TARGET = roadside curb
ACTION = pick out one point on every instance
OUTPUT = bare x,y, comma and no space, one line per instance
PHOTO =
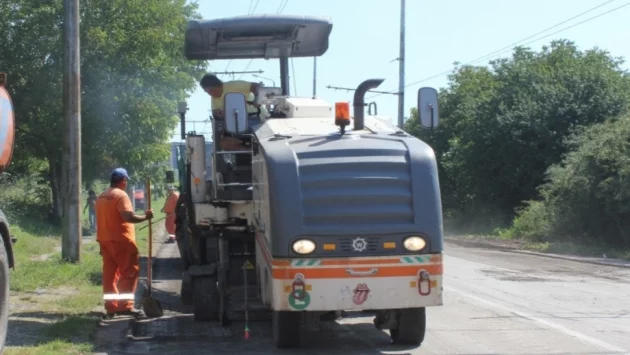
488,245
613,262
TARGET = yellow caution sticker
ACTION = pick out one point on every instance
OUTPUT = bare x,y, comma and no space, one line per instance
248,265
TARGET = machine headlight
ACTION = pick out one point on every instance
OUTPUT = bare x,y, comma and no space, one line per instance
303,246
414,243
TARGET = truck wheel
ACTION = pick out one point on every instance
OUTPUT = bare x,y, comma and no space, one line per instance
286,329
412,324
4,294
205,298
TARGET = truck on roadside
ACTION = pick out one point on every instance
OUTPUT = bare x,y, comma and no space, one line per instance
7,138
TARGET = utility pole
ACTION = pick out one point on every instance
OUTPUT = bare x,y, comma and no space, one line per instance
401,70
314,77
71,237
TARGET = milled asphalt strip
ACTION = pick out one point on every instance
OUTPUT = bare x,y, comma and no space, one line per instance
572,333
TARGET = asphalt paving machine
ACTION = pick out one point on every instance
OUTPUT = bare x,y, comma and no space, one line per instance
319,212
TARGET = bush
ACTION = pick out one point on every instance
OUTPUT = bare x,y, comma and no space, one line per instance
587,195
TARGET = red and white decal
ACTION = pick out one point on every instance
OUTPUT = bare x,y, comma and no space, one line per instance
361,293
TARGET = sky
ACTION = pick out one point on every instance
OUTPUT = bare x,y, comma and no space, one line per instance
364,42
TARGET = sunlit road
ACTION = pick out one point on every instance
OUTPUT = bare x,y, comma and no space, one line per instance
495,303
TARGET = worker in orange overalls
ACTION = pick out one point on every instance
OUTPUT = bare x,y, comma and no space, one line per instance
169,209
115,219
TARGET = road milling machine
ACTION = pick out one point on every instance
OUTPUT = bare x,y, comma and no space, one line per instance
319,211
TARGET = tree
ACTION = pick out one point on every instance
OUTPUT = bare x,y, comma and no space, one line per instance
133,73
503,126
587,195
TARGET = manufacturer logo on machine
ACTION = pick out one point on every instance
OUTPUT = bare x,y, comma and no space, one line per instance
299,298
361,293
359,244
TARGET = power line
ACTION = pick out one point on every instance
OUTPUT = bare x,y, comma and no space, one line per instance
250,11
351,89
283,4
510,47
237,72
543,31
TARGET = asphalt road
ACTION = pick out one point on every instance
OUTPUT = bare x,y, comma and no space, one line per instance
495,302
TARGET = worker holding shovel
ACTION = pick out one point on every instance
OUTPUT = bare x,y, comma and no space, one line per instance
116,235
169,210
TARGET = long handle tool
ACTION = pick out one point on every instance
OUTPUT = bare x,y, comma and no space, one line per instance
152,307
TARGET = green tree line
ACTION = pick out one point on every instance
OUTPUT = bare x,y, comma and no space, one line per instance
133,73
538,142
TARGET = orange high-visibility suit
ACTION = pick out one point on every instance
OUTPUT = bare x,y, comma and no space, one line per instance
169,209
117,238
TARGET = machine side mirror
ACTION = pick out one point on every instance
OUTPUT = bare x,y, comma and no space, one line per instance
235,111
170,176
428,110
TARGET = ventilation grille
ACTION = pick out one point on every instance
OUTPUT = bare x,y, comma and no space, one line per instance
360,186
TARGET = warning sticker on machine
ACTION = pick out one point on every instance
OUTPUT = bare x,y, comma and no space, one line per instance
248,265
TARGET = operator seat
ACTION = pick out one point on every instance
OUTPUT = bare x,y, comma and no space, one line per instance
234,133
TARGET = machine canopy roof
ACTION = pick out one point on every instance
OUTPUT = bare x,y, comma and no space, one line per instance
257,36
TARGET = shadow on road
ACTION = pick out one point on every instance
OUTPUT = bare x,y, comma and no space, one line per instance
28,328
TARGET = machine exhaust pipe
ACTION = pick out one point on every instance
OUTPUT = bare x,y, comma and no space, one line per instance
359,101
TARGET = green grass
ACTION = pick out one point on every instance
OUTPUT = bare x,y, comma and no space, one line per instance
54,300
53,347
62,295
65,294
142,236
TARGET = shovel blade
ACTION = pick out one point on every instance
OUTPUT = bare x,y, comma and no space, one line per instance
152,307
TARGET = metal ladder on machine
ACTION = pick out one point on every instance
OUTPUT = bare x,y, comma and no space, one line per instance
250,301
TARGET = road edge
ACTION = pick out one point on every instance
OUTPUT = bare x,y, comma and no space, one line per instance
467,243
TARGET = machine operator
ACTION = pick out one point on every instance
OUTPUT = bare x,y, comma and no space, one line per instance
217,90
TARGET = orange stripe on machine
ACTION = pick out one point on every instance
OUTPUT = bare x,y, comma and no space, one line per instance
351,272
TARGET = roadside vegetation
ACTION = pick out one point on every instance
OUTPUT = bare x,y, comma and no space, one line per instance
536,147
55,305
133,74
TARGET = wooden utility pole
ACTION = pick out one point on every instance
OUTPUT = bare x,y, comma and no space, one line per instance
71,237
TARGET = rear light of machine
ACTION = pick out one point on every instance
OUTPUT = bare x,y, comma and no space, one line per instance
342,113
424,283
389,245
303,246
414,243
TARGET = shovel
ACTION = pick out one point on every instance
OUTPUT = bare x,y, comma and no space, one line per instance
152,307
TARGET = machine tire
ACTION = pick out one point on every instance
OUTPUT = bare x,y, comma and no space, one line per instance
412,325
4,294
286,329
186,293
205,298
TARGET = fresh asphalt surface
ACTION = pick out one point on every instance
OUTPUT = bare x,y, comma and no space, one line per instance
495,302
